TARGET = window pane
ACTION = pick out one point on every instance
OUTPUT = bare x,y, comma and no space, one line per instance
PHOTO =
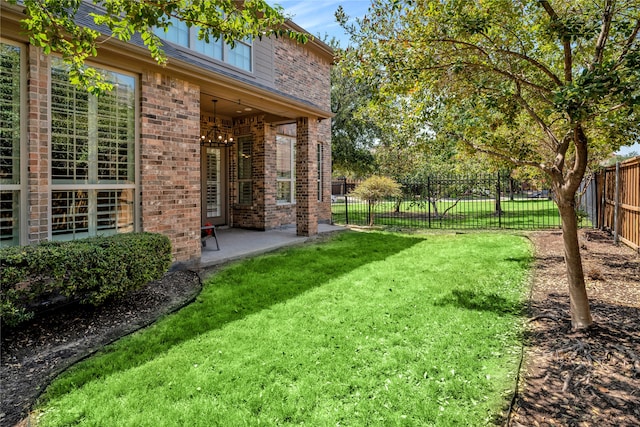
319,172
9,114
69,128
213,48
285,163
115,133
284,147
214,206
177,33
9,218
244,193
69,214
245,186
92,142
244,157
239,56
283,194
114,211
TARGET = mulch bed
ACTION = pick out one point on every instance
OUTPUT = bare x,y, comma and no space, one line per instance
589,378
568,378
33,354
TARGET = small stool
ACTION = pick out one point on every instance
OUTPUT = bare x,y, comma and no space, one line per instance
205,234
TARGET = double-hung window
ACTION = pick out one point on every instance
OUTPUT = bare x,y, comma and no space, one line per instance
92,157
11,124
245,174
320,164
239,55
286,164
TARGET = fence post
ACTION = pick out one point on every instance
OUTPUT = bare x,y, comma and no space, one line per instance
429,199
603,199
346,201
498,205
616,212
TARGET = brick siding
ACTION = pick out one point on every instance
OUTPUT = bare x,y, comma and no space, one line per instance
170,162
38,144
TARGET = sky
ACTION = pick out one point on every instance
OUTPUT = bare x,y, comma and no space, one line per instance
317,17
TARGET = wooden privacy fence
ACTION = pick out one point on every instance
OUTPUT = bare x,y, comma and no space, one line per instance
618,201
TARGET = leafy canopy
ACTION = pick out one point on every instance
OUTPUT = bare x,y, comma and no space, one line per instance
52,25
518,79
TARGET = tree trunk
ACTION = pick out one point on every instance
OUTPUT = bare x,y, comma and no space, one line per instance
580,311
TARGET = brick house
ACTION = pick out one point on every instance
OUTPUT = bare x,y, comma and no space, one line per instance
231,137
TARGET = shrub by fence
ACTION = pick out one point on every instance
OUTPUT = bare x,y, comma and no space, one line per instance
87,270
455,202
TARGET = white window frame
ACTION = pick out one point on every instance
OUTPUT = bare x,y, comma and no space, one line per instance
20,188
290,141
245,164
93,186
320,154
227,52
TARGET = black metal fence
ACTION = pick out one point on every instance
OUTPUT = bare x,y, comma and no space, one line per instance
457,202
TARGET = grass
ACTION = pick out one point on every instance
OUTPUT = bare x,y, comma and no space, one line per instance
519,214
365,329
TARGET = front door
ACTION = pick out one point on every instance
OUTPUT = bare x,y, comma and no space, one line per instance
214,185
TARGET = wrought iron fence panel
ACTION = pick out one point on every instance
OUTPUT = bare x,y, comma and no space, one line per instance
491,201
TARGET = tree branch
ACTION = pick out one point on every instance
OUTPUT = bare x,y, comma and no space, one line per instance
566,42
522,56
604,33
545,128
505,156
630,41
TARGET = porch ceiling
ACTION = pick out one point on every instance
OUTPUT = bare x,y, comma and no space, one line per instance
233,108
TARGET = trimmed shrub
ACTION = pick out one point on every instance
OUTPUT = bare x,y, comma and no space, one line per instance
374,190
88,270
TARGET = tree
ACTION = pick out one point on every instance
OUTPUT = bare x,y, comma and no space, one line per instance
374,190
546,84
51,25
353,132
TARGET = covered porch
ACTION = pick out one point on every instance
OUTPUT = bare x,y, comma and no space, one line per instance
237,243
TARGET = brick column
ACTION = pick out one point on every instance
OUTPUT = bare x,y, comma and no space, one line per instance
38,145
306,176
170,162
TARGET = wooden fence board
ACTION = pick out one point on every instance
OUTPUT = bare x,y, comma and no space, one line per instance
628,203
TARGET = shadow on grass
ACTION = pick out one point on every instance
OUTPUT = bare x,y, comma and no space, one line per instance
235,292
480,301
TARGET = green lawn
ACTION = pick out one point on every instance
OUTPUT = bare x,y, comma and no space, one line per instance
365,329
520,214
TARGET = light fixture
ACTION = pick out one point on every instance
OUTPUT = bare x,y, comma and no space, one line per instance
214,136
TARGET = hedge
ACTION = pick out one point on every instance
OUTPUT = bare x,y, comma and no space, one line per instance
88,270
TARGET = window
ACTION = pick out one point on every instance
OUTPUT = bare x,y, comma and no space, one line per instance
92,157
286,164
245,188
10,129
319,172
179,33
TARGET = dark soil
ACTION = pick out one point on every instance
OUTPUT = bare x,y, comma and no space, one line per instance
568,378
589,378
34,353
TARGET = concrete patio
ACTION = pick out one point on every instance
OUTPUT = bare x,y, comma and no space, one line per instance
237,243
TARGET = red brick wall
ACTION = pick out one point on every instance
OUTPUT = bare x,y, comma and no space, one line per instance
170,162
305,75
301,73
38,144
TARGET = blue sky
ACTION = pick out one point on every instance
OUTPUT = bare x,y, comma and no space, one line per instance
317,16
